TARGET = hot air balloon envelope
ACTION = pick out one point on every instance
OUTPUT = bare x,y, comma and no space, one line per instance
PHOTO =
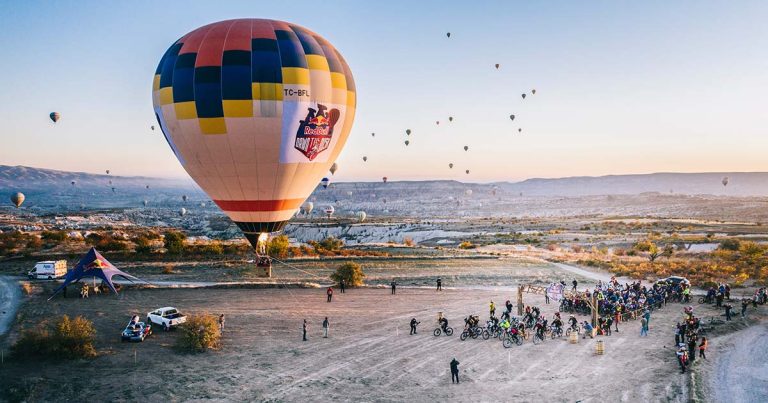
256,111
17,199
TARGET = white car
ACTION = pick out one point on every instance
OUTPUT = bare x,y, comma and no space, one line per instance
167,318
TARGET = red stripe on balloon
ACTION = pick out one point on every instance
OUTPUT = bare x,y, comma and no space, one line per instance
259,205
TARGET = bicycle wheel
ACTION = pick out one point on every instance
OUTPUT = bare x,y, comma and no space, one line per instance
486,335
449,331
518,341
437,332
507,342
464,335
537,339
475,334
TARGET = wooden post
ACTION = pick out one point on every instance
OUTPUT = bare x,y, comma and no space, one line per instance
520,300
594,309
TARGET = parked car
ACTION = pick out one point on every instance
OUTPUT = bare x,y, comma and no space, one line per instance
48,270
674,280
136,331
167,318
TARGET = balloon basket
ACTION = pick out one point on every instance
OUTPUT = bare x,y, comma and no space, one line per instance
600,347
573,338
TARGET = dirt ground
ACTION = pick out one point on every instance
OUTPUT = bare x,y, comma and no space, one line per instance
369,355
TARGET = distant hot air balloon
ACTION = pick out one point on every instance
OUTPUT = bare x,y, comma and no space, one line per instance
145,202
329,210
450,165
450,118
152,127
437,122
73,183
466,148
361,216
349,193
325,183
468,192
725,181
533,91
373,134
448,34
147,186
278,96
182,212
334,168
384,179
114,190
523,95
407,132
519,130
407,142
202,204
107,171
184,198
497,66
467,171
365,159
55,116
18,199
307,207
511,117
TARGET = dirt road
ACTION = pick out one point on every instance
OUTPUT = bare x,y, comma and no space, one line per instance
10,297
369,356
741,372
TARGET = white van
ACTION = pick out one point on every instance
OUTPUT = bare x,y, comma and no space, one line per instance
49,270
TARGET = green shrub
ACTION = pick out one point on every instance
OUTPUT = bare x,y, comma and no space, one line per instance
55,237
174,242
200,333
66,339
351,273
278,247
730,244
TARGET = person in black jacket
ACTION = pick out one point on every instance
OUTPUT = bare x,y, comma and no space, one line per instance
454,371
414,323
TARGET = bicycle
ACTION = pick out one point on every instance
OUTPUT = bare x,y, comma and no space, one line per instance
572,329
448,331
538,338
556,332
512,339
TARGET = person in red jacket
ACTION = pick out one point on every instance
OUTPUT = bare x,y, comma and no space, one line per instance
330,293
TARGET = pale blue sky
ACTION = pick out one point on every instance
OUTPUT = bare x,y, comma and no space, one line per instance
623,87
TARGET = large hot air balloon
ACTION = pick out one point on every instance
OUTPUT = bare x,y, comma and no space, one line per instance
256,111
334,168
466,148
361,216
329,210
384,179
18,199
307,208
55,116
725,181
325,183
182,212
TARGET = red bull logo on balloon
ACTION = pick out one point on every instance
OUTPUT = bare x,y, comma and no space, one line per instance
316,130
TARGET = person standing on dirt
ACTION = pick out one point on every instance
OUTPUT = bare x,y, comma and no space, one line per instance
643,327
744,305
692,348
326,326
728,308
439,284
492,308
719,299
329,292
703,348
454,371
414,323
681,357
575,283
394,286
221,322
304,329
341,286
647,316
